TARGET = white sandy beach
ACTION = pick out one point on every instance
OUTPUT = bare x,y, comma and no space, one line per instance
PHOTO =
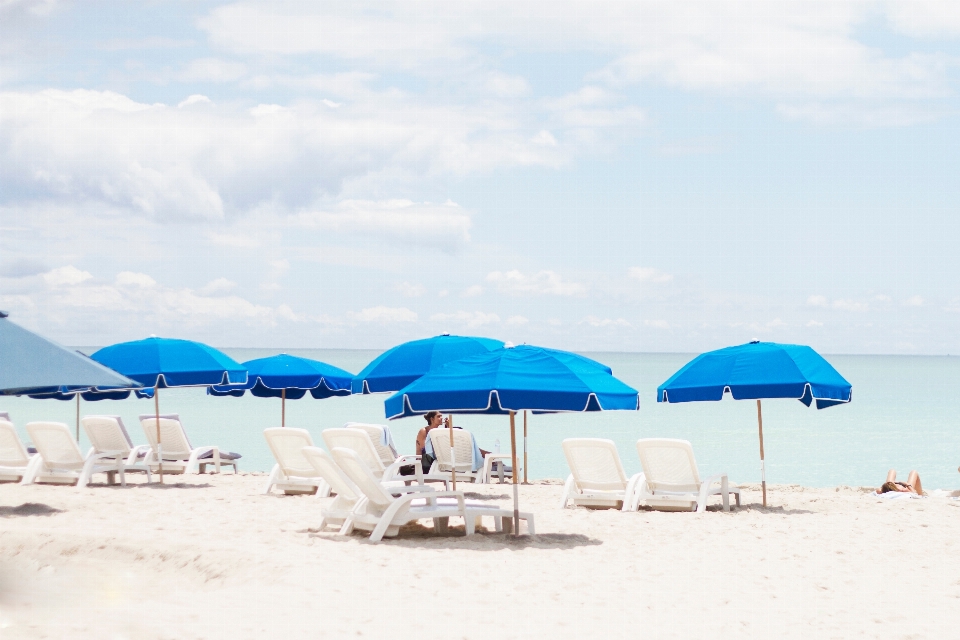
211,557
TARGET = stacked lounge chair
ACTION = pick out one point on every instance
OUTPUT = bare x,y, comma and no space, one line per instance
293,473
61,460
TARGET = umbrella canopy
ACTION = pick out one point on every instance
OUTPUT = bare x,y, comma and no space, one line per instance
32,364
513,379
290,377
396,368
165,362
758,370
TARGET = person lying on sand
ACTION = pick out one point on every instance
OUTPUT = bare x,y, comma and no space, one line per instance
912,485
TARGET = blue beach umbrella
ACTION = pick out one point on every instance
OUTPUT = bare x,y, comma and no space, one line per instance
164,362
756,371
397,367
284,376
34,366
514,379
31,364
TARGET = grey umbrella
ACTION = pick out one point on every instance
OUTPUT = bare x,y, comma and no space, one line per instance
32,364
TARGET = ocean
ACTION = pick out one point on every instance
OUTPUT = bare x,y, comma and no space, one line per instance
905,415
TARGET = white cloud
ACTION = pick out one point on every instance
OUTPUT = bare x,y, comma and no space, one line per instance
211,70
131,278
913,301
437,224
540,283
882,298
776,323
218,286
66,276
408,290
517,321
812,51
649,274
385,315
924,18
818,301
136,297
470,319
814,323
506,86
194,99
594,321
172,163
472,292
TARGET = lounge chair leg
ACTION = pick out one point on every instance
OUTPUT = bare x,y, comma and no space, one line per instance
725,493
111,477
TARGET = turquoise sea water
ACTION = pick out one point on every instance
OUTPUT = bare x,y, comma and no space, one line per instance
905,414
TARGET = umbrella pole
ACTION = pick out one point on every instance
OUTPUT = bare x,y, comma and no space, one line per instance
513,452
524,447
283,407
78,417
453,455
763,472
156,409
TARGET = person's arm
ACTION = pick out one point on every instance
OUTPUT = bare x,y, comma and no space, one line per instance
421,441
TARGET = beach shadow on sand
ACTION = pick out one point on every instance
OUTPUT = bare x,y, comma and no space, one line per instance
175,485
416,536
28,509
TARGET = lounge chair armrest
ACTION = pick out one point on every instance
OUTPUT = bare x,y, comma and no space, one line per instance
413,488
393,471
432,497
715,479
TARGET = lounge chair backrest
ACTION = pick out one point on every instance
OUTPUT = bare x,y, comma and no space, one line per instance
56,445
357,441
375,431
172,437
287,446
106,433
595,464
326,467
462,447
360,474
12,451
668,464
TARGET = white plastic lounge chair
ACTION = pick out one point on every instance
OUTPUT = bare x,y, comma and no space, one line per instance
293,473
671,480
463,444
383,514
496,466
361,443
378,433
15,462
596,476
108,435
179,456
61,460
337,512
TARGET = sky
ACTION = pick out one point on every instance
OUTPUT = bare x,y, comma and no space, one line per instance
599,176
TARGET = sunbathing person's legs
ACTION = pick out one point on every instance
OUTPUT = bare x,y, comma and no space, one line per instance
892,475
914,481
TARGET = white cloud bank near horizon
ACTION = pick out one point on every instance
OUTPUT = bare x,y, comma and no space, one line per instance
659,175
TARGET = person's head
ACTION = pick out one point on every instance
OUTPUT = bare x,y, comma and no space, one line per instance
888,486
433,418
